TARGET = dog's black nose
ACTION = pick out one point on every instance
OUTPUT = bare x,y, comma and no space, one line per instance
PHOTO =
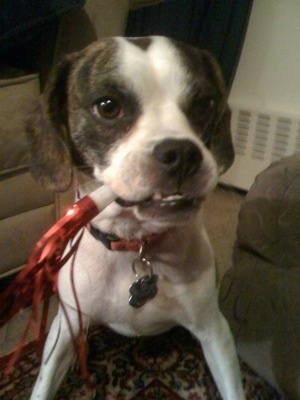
180,158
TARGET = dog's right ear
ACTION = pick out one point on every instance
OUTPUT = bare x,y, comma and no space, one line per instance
48,133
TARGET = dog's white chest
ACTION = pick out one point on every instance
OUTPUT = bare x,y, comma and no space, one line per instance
151,319
157,315
103,281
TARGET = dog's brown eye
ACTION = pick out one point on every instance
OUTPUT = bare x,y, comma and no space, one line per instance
207,104
107,108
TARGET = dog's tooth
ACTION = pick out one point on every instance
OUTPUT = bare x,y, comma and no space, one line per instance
157,196
173,197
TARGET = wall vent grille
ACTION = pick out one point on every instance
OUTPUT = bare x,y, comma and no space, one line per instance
259,139
297,142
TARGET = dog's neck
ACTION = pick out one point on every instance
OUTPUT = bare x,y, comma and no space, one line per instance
115,243
119,229
116,227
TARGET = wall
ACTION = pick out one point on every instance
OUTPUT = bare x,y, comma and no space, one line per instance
268,74
265,96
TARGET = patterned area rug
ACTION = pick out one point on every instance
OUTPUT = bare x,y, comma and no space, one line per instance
166,367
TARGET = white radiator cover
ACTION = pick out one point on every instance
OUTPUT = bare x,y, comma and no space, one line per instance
260,137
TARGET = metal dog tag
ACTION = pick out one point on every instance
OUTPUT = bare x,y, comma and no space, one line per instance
145,287
143,290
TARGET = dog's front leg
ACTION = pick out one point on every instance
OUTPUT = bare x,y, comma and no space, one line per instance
58,355
220,354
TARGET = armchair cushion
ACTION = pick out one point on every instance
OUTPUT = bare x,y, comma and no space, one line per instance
26,209
260,294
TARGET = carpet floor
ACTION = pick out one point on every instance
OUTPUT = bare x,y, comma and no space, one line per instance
170,366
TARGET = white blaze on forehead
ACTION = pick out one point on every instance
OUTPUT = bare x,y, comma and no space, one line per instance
156,73
159,79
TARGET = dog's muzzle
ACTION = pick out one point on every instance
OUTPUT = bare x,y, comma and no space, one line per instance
178,160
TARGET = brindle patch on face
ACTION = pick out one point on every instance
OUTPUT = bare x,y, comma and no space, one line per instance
142,42
97,77
206,97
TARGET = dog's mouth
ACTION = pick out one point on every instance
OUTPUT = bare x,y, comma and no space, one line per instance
161,204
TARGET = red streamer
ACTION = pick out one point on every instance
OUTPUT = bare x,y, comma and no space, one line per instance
38,279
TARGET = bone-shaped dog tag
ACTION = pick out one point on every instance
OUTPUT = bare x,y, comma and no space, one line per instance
145,287
143,290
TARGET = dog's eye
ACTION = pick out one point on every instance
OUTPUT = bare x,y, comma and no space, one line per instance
201,109
207,104
107,108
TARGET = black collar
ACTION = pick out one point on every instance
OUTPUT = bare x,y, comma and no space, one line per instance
113,242
103,237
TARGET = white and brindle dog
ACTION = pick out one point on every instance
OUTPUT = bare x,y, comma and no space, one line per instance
148,118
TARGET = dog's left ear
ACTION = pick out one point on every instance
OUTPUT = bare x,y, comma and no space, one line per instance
48,134
221,143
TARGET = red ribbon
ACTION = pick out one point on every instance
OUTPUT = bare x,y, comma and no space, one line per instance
38,279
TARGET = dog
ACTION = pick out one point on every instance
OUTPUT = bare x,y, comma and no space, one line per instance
147,117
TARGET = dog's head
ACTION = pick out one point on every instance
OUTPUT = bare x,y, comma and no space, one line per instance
148,117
